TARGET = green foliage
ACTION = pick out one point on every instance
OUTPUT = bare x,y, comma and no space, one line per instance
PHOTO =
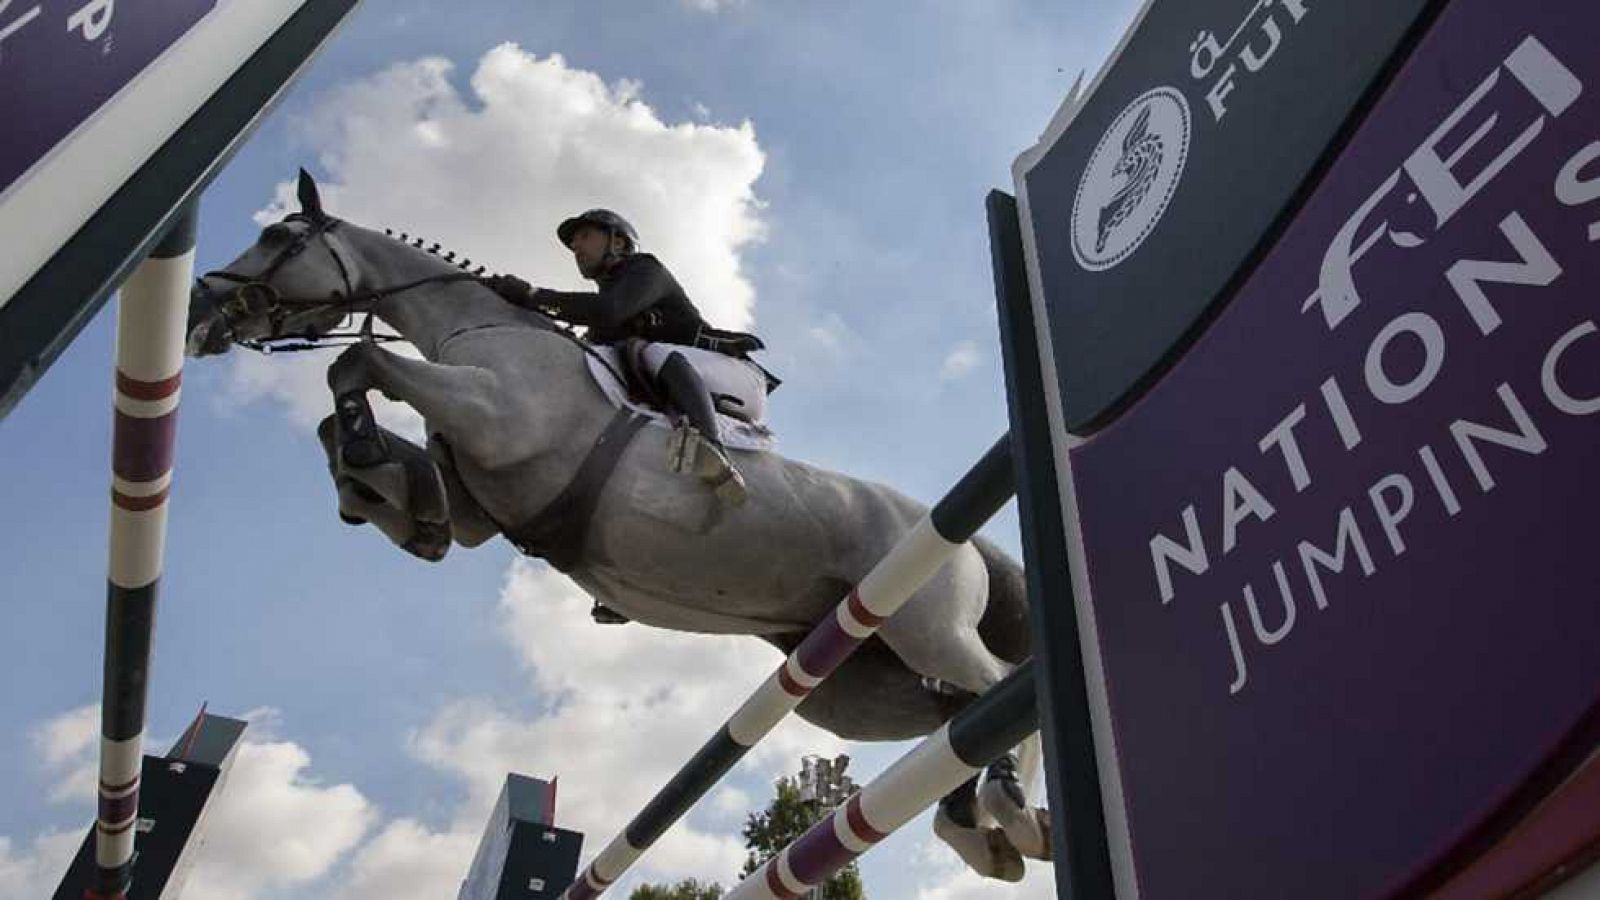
687,889
784,821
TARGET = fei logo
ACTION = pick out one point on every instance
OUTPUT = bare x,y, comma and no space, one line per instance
1130,179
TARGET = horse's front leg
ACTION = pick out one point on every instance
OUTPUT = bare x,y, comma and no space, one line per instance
464,403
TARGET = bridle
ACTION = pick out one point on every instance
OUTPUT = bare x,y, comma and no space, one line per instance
255,295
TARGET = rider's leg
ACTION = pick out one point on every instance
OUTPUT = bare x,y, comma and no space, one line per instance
687,393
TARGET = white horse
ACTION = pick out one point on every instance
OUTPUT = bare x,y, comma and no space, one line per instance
514,413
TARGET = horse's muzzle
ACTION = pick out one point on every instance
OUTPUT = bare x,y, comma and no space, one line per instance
209,336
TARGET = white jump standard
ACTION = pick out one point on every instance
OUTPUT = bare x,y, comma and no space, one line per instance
150,339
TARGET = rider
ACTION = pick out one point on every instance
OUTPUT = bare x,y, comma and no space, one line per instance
639,301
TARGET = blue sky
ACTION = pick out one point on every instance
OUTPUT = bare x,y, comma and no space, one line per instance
846,149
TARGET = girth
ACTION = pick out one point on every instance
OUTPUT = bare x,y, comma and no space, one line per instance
556,533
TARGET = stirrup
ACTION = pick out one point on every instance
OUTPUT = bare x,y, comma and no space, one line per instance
682,448
714,468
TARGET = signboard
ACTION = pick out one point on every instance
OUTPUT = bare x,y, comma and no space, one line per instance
116,115
85,53
1334,570
1147,198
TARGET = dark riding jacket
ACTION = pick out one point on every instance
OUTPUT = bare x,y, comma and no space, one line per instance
638,298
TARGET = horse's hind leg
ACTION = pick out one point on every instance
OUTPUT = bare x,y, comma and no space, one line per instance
1004,796
984,849
936,632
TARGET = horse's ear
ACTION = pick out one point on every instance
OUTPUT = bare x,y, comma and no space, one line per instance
310,201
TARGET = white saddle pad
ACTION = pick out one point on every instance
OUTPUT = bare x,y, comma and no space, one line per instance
737,434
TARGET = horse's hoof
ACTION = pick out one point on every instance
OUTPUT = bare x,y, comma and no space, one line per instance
1026,828
985,850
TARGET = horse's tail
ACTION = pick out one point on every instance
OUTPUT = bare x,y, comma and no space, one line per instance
1004,626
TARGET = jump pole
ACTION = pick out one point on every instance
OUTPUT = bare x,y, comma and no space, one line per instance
962,747
151,315
979,494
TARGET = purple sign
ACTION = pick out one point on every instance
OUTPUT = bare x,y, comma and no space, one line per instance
61,60
1342,560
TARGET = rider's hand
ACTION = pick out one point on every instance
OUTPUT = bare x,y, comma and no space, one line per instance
510,287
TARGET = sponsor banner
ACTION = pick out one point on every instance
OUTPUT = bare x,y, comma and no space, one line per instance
1340,560
60,60
1196,137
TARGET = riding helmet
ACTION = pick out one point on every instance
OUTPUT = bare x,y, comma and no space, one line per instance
604,219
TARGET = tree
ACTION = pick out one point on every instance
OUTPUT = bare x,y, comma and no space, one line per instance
687,889
784,821
766,833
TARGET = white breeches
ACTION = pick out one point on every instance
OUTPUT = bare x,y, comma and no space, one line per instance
725,376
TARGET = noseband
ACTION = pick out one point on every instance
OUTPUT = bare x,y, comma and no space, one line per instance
256,296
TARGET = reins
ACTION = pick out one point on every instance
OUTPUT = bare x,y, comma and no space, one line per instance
255,295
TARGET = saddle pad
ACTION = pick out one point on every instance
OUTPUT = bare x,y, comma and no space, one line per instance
737,434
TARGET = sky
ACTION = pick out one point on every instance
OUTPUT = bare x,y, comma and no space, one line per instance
814,172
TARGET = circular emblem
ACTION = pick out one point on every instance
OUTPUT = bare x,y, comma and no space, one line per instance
1130,179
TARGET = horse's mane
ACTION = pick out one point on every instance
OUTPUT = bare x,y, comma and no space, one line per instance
434,249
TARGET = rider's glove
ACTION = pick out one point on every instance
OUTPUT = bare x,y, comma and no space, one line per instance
511,288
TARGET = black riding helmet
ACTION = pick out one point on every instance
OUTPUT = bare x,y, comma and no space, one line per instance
603,219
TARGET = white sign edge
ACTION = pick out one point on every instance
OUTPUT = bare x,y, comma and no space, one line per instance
42,210
1119,839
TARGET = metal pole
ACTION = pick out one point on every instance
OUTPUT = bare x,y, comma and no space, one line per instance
151,316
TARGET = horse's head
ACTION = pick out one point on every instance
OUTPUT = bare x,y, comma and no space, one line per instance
294,281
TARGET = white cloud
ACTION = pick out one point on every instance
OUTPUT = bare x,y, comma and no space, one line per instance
830,338
272,826
712,6
491,175
69,735
945,877
732,801
275,825
407,860
629,705
68,745
37,870
960,361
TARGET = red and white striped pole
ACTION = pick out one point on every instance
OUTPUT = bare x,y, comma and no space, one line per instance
976,737
152,312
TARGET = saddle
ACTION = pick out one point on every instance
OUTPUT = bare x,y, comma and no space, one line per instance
619,371
642,388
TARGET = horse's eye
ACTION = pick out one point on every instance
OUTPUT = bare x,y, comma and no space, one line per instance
277,234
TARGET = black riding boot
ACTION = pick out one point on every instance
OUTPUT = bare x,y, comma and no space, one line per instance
687,393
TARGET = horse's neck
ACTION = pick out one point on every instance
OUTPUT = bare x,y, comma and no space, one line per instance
561,411
428,315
